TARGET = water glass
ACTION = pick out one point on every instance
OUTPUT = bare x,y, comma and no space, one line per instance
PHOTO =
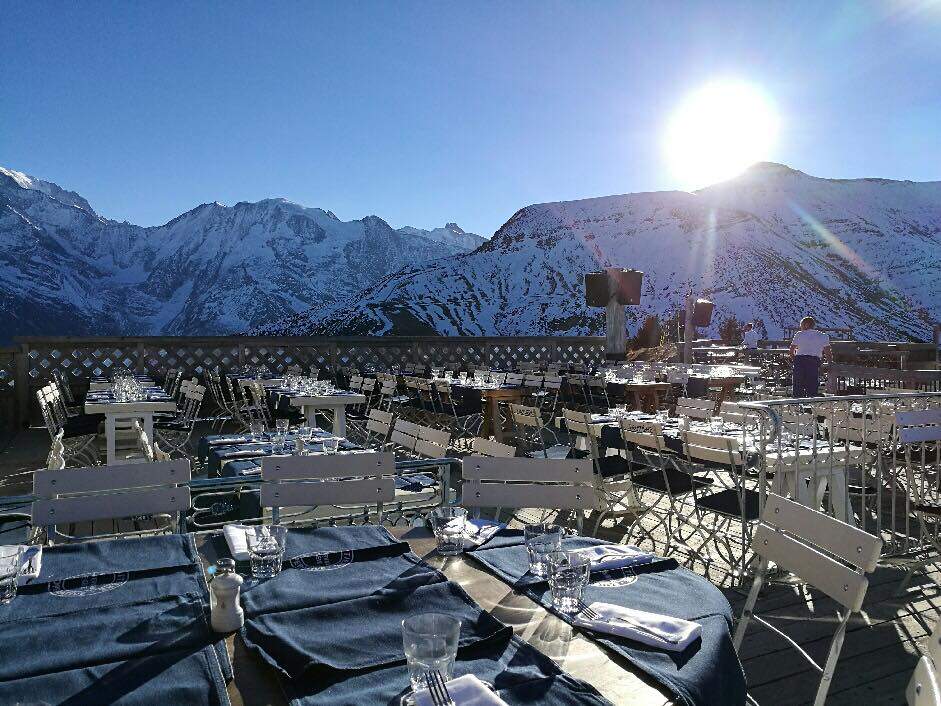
257,430
449,525
541,540
331,445
430,642
266,549
10,559
620,410
568,576
716,425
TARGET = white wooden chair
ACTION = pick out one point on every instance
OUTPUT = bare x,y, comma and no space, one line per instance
832,556
530,428
695,408
494,449
518,483
364,480
138,492
924,688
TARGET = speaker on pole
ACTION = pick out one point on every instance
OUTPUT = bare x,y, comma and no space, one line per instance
596,289
628,284
702,313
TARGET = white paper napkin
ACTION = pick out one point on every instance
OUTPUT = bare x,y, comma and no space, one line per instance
479,531
660,631
465,691
614,556
237,540
30,563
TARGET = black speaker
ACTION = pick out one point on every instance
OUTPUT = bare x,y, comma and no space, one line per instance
702,314
628,286
596,289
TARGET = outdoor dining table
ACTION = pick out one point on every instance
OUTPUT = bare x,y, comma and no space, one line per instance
336,402
492,397
610,668
114,411
100,383
646,395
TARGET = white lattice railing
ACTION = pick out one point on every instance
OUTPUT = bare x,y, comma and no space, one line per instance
33,361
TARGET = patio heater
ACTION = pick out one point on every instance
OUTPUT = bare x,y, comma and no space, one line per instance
614,289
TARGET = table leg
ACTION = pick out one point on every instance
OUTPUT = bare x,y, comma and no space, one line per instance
339,421
638,401
496,419
149,425
654,402
109,439
311,415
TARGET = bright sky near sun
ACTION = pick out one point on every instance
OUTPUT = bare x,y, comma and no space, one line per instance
427,112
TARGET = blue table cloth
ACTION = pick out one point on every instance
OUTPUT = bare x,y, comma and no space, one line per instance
330,625
707,672
122,621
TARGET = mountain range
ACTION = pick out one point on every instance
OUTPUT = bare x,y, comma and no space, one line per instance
66,270
773,244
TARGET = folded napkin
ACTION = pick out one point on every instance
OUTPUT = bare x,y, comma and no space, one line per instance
464,691
651,629
237,540
479,531
604,557
30,563
227,440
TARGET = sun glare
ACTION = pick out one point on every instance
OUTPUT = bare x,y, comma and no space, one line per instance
718,131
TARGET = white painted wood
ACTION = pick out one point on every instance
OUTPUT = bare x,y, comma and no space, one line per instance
561,497
404,440
923,688
435,436
918,435
127,503
525,416
326,466
528,469
406,427
47,484
923,417
429,449
837,580
494,449
853,545
367,491
648,435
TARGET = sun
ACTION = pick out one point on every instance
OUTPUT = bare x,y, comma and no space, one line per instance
719,131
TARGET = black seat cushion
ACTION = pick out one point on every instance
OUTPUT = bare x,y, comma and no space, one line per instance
82,425
611,466
680,483
726,502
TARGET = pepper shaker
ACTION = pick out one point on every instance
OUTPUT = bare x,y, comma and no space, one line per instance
227,614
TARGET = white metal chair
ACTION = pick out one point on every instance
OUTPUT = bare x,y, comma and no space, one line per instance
695,408
327,480
518,483
494,449
831,555
924,688
69,496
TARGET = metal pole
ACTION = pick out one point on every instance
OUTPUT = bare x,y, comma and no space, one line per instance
689,331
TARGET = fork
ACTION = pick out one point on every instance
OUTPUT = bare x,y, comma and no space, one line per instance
591,614
438,689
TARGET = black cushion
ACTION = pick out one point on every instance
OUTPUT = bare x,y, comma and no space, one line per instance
610,466
727,502
680,483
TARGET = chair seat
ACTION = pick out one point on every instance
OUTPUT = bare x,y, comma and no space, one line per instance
679,483
726,502
81,426
610,466
174,425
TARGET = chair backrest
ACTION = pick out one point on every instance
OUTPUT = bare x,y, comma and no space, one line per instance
695,408
379,422
525,416
493,449
648,435
923,688
55,460
299,481
732,412
98,493
528,482
514,379
432,443
831,555
917,427
843,426
715,449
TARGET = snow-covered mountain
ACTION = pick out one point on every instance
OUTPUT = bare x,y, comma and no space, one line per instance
212,270
774,244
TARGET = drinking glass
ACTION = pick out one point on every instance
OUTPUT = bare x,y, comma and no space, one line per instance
430,642
541,540
10,558
331,445
568,576
620,410
266,549
716,425
449,524
257,430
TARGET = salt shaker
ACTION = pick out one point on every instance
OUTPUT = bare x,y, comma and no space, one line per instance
227,615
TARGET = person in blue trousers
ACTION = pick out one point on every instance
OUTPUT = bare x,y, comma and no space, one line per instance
809,348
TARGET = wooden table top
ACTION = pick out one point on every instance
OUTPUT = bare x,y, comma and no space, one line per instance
255,684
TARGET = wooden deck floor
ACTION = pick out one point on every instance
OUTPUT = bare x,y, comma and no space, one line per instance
879,654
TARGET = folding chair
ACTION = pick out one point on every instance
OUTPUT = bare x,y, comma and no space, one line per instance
832,556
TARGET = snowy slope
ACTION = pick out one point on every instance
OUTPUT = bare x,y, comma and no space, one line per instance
774,243
213,270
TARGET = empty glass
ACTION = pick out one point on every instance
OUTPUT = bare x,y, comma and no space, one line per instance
266,549
716,425
568,576
541,540
449,525
257,430
430,642
10,559
331,445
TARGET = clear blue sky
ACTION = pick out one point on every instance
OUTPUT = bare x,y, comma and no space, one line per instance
427,112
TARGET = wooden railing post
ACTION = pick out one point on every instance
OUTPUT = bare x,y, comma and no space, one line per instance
22,386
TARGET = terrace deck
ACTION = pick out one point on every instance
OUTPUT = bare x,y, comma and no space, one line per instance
879,654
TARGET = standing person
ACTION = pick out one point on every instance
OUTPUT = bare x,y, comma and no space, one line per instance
808,349
750,336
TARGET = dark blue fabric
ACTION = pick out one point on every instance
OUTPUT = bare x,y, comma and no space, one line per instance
806,376
705,673
334,633
214,453
123,621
